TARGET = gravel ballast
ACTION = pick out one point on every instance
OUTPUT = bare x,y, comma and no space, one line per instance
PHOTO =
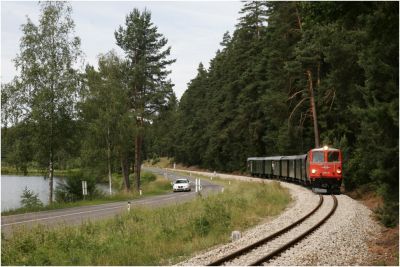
342,240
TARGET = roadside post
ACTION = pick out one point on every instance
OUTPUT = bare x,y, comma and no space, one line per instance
84,189
129,206
198,185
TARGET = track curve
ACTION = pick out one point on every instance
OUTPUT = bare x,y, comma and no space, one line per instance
227,259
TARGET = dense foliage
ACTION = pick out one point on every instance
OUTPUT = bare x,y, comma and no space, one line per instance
254,100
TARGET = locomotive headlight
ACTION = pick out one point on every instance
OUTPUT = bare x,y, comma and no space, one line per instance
313,171
326,147
339,171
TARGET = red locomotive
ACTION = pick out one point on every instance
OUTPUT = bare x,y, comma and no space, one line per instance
320,168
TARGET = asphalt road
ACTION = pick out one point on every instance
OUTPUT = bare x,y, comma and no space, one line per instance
78,215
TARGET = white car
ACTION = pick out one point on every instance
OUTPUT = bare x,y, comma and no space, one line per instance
181,185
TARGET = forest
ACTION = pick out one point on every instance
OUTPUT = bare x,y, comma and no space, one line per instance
292,76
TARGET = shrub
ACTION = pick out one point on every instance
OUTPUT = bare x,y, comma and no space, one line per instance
202,226
71,190
148,177
30,200
388,214
154,161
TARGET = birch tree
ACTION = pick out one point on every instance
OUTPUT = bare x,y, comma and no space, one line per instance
48,53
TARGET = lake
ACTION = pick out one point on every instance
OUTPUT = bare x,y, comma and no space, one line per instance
12,187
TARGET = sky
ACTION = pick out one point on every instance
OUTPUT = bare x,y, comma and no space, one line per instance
194,30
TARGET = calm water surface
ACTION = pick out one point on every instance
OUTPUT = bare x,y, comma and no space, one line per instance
12,187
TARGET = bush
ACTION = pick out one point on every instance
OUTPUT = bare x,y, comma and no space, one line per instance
148,177
388,214
71,190
154,161
30,200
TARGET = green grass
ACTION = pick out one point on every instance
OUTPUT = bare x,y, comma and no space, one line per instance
159,162
157,187
162,236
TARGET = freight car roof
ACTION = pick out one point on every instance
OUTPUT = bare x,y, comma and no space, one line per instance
295,157
265,158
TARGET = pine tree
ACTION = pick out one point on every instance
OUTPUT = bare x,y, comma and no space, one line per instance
147,72
254,15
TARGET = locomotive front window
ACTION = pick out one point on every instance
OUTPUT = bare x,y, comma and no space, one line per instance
318,156
333,156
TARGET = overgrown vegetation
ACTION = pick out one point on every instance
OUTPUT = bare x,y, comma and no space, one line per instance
163,236
71,189
160,162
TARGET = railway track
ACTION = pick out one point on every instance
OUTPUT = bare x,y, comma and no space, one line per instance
263,252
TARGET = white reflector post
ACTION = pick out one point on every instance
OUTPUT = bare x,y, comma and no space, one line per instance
84,188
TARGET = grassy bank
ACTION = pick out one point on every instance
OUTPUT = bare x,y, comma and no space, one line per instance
163,236
157,187
159,162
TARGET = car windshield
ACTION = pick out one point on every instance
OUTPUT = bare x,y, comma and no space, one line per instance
181,181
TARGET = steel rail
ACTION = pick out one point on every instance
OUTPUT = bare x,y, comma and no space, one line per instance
297,239
260,242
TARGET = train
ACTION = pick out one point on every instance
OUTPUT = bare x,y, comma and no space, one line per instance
320,169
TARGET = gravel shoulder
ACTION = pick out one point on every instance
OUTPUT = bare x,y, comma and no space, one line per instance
343,240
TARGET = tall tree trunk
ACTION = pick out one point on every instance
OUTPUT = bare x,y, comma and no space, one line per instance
51,163
109,158
310,87
125,166
51,174
313,109
298,18
138,159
